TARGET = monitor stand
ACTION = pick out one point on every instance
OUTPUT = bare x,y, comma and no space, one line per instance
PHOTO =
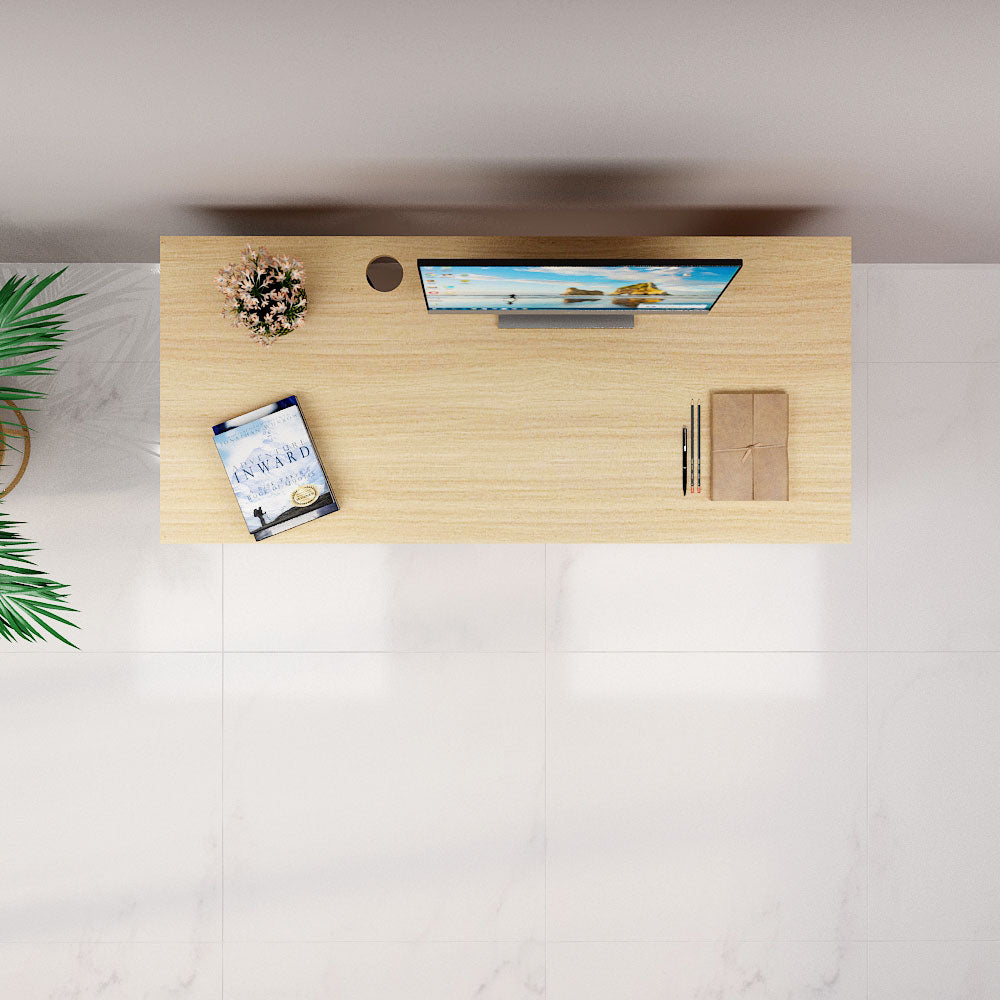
565,321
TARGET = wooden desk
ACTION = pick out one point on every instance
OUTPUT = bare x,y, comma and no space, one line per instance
443,428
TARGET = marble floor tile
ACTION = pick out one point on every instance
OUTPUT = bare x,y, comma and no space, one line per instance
732,970
385,597
110,971
118,318
110,772
378,820
934,312
706,797
934,970
935,803
720,597
859,312
376,971
934,550
380,797
90,500
693,597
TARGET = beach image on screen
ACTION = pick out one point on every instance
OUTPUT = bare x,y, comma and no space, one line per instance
681,288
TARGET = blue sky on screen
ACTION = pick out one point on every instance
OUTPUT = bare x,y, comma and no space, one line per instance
555,279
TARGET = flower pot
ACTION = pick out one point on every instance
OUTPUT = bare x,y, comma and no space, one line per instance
13,443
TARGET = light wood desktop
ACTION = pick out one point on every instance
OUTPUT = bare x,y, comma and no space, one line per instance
444,428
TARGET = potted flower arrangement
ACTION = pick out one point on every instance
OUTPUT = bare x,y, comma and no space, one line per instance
264,294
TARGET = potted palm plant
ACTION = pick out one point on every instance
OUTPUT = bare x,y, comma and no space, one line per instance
31,605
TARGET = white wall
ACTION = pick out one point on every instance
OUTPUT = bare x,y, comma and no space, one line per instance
123,121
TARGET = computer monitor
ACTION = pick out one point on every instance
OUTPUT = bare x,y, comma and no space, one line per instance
574,293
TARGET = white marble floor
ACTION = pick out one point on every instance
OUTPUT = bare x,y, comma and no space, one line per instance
503,772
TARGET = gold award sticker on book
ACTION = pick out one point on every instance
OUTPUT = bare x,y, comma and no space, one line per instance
304,496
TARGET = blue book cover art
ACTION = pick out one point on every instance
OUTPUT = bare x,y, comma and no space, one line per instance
273,468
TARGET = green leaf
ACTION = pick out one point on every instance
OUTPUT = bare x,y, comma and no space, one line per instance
29,600
29,291
29,328
26,368
31,604
16,392
54,302
18,296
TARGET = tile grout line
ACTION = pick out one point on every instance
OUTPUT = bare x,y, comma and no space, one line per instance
942,361
15,942
868,826
545,766
868,465
868,646
692,651
222,783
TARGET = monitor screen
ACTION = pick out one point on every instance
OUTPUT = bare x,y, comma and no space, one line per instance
660,286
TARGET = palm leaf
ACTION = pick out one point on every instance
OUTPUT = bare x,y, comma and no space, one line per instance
16,392
29,601
32,606
27,368
29,329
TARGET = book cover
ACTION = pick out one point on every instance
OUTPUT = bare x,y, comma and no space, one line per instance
273,468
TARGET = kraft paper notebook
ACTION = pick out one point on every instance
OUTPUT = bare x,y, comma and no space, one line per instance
749,446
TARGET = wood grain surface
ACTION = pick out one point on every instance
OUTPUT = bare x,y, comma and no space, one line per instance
444,428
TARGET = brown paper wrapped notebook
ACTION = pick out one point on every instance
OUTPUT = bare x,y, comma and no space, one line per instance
749,446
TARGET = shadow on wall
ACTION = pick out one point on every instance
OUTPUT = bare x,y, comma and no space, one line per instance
596,199
570,199
376,220
509,200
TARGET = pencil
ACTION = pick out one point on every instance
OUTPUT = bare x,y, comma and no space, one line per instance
684,460
692,446
699,445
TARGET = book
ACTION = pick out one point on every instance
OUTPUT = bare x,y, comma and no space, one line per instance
273,468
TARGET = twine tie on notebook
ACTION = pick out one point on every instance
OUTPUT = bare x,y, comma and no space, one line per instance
748,450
